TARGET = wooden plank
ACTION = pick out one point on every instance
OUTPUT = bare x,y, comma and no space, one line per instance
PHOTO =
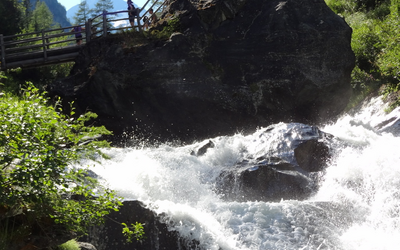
25,34
50,52
28,40
36,46
39,61
44,47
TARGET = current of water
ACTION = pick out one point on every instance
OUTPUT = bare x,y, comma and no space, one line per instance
357,205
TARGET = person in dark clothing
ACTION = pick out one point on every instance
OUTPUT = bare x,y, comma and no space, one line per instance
78,35
153,16
150,20
132,13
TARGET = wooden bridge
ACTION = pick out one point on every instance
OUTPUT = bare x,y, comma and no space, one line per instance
59,45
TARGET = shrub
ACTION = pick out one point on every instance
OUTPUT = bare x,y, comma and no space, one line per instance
69,245
365,42
38,145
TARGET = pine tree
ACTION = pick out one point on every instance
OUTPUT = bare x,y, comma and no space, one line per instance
83,13
42,18
28,7
102,5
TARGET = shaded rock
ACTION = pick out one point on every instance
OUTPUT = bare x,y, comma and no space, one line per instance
312,155
203,149
86,246
31,233
157,236
233,66
284,165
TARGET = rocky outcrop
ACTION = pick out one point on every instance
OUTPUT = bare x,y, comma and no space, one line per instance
231,66
286,165
157,236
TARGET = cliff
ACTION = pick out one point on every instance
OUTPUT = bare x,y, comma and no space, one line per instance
229,65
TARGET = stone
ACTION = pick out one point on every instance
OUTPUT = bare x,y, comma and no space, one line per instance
157,236
231,65
86,246
203,149
285,165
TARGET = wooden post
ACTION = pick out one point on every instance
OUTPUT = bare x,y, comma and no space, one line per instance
47,42
104,23
138,22
88,29
3,53
44,47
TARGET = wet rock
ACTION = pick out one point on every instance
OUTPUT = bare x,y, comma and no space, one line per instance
203,149
284,165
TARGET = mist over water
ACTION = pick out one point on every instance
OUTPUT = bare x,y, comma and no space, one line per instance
357,205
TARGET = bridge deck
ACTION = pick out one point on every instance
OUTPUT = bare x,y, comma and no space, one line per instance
58,46
34,59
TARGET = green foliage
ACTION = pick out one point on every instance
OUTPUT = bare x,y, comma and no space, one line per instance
173,25
102,5
69,245
342,6
41,18
38,145
375,42
83,13
389,58
135,231
43,75
59,12
365,41
11,12
392,91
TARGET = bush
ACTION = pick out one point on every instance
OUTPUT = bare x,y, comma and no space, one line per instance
69,245
375,42
38,186
43,75
365,42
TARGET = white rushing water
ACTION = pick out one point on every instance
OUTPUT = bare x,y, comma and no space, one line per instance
356,207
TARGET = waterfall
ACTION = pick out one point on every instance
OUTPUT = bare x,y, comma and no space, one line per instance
356,206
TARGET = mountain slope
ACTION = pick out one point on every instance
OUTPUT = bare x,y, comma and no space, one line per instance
59,12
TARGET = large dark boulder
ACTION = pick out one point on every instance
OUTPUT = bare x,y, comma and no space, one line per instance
234,66
285,164
157,235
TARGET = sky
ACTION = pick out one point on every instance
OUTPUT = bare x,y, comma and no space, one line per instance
70,3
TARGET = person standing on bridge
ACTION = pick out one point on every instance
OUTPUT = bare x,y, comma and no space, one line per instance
78,35
132,13
150,20
153,16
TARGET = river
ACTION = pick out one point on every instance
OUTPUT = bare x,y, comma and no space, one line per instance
357,204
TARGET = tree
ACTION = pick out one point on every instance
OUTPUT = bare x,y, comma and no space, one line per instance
83,13
40,192
10,17
41,18
102,5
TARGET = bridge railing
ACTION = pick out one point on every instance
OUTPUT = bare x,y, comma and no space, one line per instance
33,45
39,48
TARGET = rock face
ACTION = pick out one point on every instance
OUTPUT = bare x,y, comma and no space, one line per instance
235,65
286,164
157,236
